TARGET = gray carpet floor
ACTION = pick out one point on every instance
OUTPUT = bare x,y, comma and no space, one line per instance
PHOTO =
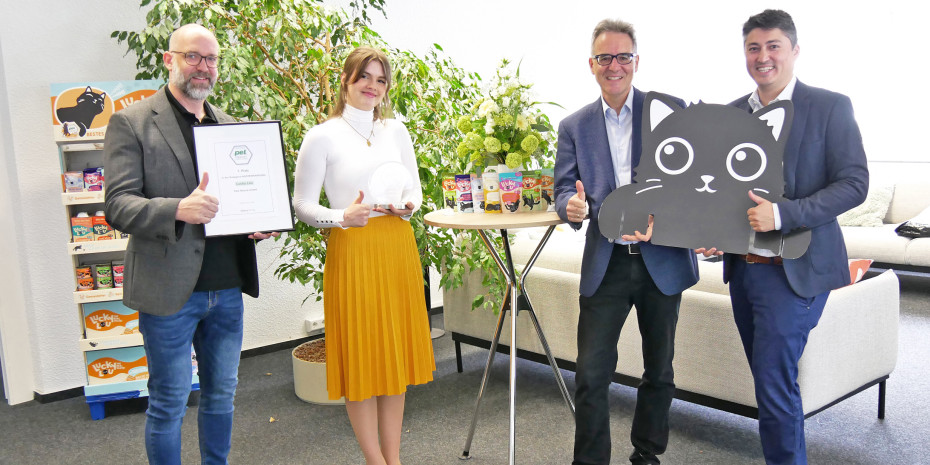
438,415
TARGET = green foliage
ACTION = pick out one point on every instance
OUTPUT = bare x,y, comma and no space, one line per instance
281,60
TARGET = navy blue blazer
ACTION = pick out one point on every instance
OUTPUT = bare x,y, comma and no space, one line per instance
584,153
826,173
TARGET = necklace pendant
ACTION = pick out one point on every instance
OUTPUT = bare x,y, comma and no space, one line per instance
369,142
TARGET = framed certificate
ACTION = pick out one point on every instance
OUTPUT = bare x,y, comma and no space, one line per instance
245,167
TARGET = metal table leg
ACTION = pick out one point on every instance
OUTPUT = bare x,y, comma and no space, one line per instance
511,297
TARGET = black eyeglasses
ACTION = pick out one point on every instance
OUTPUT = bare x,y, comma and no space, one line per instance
605,59
194,59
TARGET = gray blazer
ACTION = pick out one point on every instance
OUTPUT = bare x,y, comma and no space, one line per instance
148,170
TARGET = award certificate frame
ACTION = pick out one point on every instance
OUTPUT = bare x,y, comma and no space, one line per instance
246,171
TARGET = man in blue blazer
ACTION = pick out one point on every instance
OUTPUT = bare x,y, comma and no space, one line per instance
599,148
776,302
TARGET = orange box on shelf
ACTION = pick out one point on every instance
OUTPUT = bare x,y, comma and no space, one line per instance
116,365
104,319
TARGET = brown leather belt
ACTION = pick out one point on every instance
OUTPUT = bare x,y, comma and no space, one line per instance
753,258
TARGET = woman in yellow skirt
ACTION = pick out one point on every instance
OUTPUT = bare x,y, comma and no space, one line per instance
377,328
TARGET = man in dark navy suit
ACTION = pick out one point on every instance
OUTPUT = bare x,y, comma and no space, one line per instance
776,302
598,150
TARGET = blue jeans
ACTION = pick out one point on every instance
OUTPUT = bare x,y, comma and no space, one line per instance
212,322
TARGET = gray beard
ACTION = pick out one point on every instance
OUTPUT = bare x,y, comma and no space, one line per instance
188,89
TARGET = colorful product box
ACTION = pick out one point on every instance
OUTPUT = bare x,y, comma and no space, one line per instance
103,276
449,193
490,181
463,190
548,188
93,179
73,181
532,192
511,184
82,228
118,268
105,319
116,365
85,278
102,230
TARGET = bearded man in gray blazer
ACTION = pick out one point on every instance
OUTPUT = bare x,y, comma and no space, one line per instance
186,287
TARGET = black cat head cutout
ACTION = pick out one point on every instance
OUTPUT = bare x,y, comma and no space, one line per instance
696,169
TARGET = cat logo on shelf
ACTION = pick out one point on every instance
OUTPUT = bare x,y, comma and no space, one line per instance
77,110
82,110
694,175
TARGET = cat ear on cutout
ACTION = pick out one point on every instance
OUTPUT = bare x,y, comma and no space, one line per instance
778,116
658,106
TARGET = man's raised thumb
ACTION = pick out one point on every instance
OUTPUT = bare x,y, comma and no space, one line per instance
580,188
361,195
203,182
755,198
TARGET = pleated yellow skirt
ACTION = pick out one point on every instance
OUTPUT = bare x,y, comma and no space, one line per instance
377,329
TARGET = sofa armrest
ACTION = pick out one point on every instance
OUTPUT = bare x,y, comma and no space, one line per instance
855,342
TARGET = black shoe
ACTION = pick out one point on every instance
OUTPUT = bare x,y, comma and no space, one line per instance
643,458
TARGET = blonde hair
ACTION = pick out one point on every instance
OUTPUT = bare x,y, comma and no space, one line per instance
354,65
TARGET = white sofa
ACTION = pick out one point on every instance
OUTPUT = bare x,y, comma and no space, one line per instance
854,346
880,243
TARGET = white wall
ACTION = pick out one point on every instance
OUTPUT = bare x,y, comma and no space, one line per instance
694,50
41,42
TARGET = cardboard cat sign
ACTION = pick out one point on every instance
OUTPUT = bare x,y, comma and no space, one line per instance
696,169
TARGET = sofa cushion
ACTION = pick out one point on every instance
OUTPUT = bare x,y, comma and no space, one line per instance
918,252
872,211
908,201
877,243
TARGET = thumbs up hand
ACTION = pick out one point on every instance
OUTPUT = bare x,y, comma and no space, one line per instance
198,207
356,214
762,216
577,206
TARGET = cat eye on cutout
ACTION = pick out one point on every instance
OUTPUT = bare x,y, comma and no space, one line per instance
605,59
194,59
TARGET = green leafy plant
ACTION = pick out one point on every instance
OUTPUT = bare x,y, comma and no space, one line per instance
281,60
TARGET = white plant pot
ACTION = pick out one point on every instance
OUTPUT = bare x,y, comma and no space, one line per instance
310,382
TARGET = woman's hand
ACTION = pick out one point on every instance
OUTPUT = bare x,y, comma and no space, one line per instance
356,215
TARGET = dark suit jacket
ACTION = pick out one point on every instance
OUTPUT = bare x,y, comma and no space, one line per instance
584,153
148,170
825,175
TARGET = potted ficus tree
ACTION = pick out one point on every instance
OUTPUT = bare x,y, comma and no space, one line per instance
281,61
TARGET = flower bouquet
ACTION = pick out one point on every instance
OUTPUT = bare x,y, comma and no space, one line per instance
506,126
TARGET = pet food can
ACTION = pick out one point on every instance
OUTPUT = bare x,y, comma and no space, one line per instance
103,276
118,268
93,179
85,278
74,181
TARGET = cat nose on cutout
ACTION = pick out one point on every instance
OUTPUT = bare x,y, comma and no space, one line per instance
706,188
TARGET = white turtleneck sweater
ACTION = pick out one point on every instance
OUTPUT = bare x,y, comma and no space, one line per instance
336,158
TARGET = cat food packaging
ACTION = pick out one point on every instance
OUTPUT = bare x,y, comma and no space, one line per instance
511,185
85,278
118,268
103,276
463,189
547,179
490,183
102,230
477,193
82,228
116,365
73,181
449,193
532,192
106,319
93,179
